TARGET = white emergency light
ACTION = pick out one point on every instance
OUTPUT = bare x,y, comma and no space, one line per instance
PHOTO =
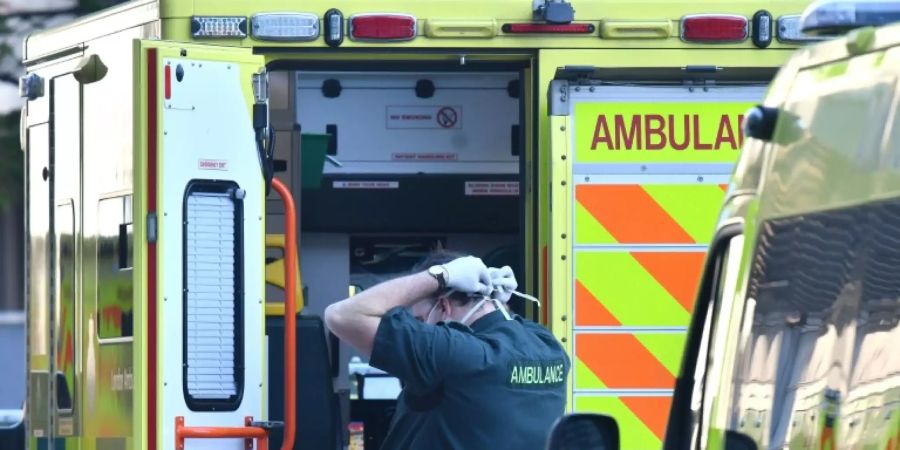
284,26
334,27
218,27
835,17
787,30
761,33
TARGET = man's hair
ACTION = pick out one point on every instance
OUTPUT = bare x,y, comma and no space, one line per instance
440,257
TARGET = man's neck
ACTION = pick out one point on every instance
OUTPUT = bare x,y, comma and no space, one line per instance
485,309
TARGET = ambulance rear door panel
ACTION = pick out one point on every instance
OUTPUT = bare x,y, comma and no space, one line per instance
411,162
209,207
637,206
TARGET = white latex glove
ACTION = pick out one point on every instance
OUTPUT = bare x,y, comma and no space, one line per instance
503,282
468,275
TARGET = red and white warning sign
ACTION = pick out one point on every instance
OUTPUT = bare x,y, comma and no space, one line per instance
492,188
212,164
419,157
424,117
366,184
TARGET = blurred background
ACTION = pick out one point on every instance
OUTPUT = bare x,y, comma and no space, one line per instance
18,19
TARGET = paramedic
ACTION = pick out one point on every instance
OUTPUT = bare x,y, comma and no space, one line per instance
474,377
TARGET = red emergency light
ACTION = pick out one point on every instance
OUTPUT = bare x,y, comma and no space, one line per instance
548,28
382,27
714,28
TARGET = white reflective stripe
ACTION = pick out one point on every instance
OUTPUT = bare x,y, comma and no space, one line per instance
210,269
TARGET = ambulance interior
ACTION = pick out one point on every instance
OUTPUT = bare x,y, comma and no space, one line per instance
387,166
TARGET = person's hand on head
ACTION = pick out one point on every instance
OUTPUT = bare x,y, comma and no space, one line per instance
503,283
468,275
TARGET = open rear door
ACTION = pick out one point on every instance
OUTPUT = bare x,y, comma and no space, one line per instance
200,194
639,172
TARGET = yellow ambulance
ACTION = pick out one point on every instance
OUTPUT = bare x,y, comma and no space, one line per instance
587,144
794,337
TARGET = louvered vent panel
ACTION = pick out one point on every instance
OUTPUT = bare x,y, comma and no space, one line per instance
211,296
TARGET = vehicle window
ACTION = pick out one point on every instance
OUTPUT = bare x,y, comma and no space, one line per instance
115,254
707,368
65,339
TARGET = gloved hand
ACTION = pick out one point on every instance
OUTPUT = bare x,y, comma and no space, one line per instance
468,275
503,282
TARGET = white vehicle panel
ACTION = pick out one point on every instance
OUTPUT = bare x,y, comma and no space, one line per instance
383,127
208,135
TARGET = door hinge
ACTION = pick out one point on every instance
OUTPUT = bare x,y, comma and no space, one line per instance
558,98
700,76
151,228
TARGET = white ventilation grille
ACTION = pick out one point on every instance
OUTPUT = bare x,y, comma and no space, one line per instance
210,299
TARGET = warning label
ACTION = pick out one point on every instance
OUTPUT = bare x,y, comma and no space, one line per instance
424,117
418,157
366,184
493,188
212,164
447,117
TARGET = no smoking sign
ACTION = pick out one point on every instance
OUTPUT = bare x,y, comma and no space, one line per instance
441,117
447,117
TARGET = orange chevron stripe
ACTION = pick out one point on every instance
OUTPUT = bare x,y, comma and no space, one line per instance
724,187
677,272
653,411
620,361
589,310
630,214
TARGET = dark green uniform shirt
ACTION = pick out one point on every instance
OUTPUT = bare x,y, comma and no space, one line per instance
497,385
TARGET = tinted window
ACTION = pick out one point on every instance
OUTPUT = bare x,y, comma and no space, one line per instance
115,253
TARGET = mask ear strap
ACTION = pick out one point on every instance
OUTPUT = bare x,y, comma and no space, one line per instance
430,311
499,305
527,297
472,311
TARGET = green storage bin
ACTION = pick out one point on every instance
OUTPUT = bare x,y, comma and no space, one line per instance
313,148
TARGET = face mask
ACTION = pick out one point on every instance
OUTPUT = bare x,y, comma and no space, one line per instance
497,303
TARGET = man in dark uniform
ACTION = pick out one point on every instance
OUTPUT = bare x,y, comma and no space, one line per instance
474,377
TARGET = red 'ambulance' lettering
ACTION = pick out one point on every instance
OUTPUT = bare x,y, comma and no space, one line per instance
654,132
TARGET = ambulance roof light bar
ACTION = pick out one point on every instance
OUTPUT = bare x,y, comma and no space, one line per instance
553,11
285,26
382,27
835,17
714,28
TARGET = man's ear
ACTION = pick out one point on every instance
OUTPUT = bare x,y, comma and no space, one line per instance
446,304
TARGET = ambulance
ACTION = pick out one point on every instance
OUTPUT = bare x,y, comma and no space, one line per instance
794,338
587,144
